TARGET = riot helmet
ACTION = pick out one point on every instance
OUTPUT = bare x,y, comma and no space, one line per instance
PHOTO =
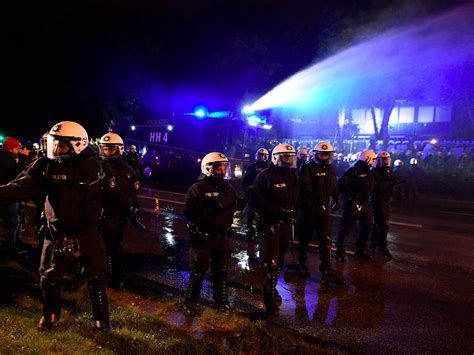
216,164
323,152
368,156
384,159
111,146
66,139
262,154
284,155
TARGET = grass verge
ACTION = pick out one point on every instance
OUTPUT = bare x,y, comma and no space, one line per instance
143,324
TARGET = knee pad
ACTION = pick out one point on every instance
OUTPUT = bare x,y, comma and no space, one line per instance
95,279
51,284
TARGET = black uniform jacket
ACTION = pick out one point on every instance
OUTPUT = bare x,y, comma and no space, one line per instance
127,183
357,183
318,183
251,173
384,182
75,189
275,188
210,204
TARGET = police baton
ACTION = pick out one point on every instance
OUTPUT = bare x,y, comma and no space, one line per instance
292,240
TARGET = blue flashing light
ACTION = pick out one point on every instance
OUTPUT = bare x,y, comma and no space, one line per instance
267,126
133,127
170,128
200,113
253,124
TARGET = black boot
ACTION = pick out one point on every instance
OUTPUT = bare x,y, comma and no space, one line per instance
51,292
324,253
277,296
113,270
330,277
303,269
341,248
362,255
100,306
192,293
46,322
219,286
269,291
221,296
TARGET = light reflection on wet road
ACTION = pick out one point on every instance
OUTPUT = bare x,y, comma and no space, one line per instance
421,300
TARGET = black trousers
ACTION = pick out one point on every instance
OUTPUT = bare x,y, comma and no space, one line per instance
352,213
381,209
318,222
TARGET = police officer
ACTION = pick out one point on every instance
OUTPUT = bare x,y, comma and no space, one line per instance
12,162
134,159
380,201
113,220
318,184
261,162
356,186
276,197
303,155
210,206
75,183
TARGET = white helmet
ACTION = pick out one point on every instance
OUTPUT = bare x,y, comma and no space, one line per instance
211,161
284,150
368,156
413,161
323,152
66,134
262,154
383,158
398,162
111,140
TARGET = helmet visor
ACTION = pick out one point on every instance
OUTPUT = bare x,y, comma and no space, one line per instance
384,161
58,147
287,161
108,150
324,157
221,169
261,156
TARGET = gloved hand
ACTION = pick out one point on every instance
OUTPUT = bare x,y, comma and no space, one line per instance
134,219
287,212
336,204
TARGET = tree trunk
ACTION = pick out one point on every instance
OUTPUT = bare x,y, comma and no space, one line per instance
374,120
383,134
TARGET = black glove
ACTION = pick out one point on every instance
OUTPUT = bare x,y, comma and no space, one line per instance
336,204
287,212
134,220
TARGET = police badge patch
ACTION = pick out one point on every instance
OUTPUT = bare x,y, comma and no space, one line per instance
112,182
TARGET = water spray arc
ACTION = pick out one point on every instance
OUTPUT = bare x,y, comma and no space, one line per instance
418,58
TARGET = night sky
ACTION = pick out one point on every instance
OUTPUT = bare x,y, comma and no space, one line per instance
96,61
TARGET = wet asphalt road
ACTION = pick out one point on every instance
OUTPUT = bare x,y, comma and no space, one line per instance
421,300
